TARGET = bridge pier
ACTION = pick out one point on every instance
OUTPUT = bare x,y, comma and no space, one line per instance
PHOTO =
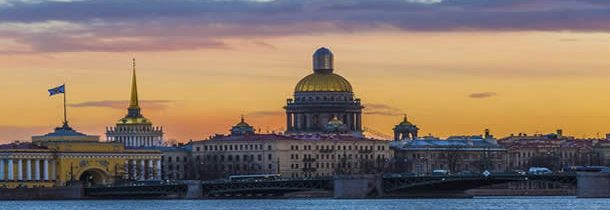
593,184
357,186
194,190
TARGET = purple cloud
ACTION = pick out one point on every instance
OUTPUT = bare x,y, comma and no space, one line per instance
133,25
482,95
382,109
122,104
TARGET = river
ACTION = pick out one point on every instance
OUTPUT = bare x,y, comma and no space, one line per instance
482,203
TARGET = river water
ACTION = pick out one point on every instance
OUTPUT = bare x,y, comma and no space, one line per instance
491,203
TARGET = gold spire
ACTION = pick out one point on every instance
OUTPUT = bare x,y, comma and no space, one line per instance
133,103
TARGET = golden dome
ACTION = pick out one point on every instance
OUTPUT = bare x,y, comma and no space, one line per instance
323,82
405,122
134,120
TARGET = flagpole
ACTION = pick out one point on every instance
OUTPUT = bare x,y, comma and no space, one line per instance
65,118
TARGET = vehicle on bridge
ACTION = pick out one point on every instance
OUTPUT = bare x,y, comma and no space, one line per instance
539,171
254,178
440,172
586,168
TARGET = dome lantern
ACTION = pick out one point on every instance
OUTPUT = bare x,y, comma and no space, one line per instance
323,79
323,61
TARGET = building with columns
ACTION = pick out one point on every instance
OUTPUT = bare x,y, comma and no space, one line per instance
321,97
134,130
65,157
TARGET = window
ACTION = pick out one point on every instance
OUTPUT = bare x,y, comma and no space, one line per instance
260,157
197,148
270,157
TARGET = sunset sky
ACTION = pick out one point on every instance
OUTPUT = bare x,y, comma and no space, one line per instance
455,67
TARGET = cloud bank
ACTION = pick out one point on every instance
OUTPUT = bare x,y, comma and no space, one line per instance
123,104
159,25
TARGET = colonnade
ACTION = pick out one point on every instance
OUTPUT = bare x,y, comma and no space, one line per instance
306,121
22,169
137,141
143,169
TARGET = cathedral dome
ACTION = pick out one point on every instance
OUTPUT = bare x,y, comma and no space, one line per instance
323,82
323,79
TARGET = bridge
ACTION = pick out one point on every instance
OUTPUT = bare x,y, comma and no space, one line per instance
357,186
429,186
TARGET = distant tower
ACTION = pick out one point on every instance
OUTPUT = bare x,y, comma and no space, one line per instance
487,134
405,130
323,97
134,130
242,128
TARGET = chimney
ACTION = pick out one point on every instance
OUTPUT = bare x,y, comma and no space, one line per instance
559,132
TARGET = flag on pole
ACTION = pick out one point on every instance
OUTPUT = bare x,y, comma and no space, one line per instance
57,90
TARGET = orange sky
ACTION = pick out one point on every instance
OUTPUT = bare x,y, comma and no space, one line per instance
535,82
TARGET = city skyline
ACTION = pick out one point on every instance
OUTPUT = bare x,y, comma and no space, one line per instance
450,78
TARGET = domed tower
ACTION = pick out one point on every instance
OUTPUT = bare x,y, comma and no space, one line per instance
242,128
405,130
319,97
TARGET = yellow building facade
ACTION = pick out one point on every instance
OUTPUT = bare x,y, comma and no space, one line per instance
66,157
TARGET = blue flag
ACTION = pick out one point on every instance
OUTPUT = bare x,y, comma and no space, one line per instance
57,90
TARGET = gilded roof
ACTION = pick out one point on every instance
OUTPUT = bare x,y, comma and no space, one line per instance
133,120
323,82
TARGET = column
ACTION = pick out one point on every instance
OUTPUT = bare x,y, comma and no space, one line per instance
142,170
308,121
126,170
10,169
45,170
28,169
350,121
297,121
2,169
150,170
53,170
358,121
37,170
20,169
159,170
133,173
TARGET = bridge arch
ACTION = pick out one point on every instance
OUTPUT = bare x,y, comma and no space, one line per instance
94,176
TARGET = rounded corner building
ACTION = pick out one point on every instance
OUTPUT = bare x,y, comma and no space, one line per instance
323,97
